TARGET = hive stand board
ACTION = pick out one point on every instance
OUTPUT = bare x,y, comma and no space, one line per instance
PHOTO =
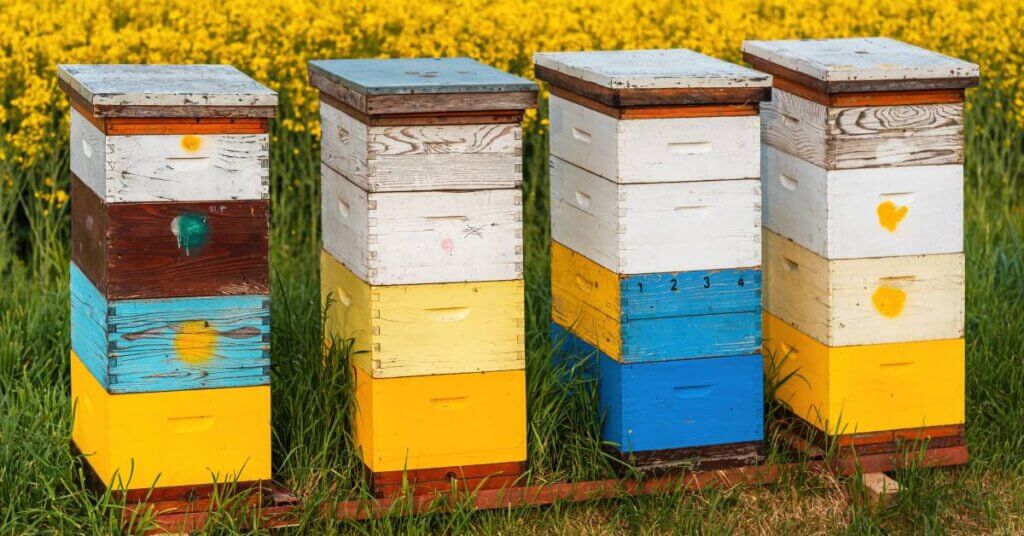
806,438
655,150
650,228
866,388
422,330
170,167
657,317
864,136
668,413
446,420
864,301
624,78
421,86
859,64
405,238
133,346
468,478
425,157
856,213
171,439
163,250
166,91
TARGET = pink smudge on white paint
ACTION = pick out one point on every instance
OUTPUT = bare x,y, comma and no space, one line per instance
448,245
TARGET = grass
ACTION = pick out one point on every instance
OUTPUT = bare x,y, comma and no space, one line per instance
41,492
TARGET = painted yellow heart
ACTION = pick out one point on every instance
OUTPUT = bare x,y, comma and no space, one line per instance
889,301
195,341
889,216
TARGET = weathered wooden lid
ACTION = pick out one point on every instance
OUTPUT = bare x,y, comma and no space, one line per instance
421,85
652,77
860,64
166,91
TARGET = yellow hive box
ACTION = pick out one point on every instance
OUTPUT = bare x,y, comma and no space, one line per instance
173,438
869,388
419,330
439,421
847,302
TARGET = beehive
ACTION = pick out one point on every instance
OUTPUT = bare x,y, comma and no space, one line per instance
864,267
656,247
169,278
422,264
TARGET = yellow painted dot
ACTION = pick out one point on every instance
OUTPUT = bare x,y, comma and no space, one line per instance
195,341
889,301
191,143
889,216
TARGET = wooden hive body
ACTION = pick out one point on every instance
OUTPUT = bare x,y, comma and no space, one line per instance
657,317
170,313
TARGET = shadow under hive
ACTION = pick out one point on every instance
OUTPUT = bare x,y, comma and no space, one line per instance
170,322
656,249
863,243
422,265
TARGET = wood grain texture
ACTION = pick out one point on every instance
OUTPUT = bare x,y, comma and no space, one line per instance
163,250
178,438
651,69
467,478
870,212
659,227
859,137
421,158
388,104
861,64
871,98
656,317
119,90
157,167
865,443
440,421
421,330
654,150
618,97
457,117
173,344
864,301
126,126
658,112
678,404
867,388
404,238
675,461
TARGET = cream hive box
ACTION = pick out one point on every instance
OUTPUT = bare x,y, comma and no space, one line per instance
422,264
863,243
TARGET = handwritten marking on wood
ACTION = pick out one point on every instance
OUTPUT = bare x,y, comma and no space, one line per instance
863,137
399,238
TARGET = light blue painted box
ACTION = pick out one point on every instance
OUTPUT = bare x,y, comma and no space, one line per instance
170,344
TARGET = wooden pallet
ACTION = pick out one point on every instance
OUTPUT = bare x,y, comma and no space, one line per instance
280,508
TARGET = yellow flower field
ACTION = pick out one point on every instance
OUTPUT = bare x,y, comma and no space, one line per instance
272,39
